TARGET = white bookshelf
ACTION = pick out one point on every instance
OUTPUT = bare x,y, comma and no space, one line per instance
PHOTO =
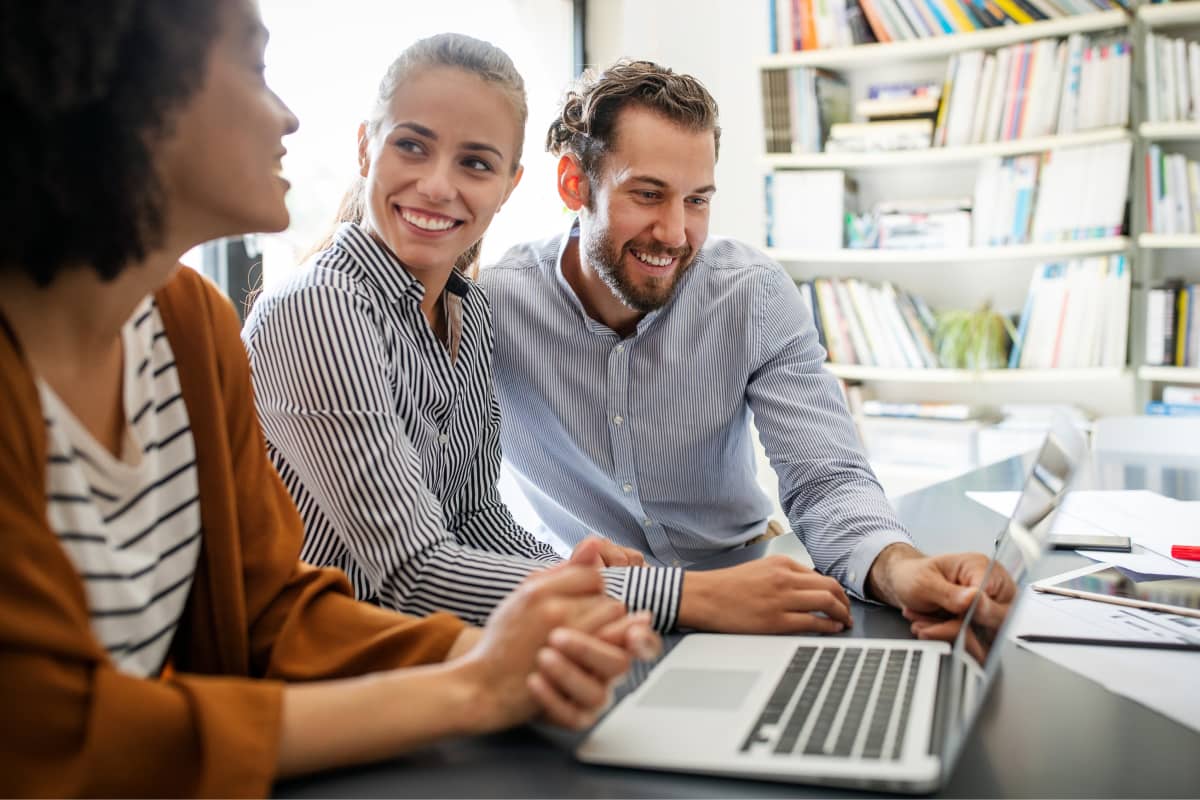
1170,131
1168,241
1165,15
874,55
943,155
1050,251
858,372
1169,374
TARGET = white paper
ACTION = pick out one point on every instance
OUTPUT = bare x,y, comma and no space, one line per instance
1162,680
1154,523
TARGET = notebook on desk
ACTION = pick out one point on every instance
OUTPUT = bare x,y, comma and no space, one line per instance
887,714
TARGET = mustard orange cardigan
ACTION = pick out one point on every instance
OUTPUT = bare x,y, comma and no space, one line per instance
70,723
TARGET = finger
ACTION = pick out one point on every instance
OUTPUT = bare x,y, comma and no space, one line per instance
822,601
614,555
636,558
588,553
944,631
582,688
989,613
809,623
815,580
916,616
603,660
566,579
556,708
634,633
590,614
939,593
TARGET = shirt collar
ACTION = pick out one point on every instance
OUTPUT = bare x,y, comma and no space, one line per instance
387,272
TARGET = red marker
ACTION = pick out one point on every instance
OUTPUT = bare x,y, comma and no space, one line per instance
1185,552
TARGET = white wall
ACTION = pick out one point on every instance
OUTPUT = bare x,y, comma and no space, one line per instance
719,42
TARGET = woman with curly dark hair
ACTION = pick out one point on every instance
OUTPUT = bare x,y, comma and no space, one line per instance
153,611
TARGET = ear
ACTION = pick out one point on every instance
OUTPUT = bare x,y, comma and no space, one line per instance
364,155
573,185
516,178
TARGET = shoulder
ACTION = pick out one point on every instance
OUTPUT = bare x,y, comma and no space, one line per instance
324,288
523,265
732,266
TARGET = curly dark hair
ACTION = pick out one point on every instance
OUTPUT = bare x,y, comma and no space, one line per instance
87,91
584,125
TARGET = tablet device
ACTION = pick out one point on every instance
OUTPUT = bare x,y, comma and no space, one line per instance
1108,584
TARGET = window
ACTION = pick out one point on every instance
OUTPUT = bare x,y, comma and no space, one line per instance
326,59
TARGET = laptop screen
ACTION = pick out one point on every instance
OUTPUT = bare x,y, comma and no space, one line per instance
1020,544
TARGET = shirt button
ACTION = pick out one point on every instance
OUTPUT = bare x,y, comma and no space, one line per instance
628,487
675,562
618,419
445,437
620,348
853,576
647,522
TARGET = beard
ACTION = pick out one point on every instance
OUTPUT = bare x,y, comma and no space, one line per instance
651,294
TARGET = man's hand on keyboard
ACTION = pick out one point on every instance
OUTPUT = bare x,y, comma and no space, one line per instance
775,594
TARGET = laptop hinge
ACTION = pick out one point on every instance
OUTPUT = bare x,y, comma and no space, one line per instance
941,705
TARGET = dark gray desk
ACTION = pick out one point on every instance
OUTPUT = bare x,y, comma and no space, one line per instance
1044,731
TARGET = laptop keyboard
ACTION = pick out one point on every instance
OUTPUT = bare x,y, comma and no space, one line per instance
847,702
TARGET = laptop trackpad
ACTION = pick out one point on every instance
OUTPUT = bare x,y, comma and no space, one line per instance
721,689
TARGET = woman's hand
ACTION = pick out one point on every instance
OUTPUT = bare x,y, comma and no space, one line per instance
555,646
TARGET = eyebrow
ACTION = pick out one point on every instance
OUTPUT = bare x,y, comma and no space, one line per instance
428,133
661,184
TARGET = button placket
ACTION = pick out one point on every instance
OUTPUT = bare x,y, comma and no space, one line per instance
621,441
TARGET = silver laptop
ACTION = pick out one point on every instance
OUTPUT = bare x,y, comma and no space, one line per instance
887,714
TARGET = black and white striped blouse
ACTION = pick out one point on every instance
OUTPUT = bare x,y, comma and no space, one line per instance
389,441
131,525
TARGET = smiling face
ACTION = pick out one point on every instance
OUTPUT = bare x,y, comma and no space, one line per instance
221,165
439,166
645,216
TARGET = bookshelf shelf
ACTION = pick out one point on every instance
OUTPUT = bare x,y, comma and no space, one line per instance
1169,374
1167,14
857,372
1170,131
904,159
1169,241
869,55
1022,252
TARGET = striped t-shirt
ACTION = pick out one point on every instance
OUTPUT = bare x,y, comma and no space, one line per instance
131,525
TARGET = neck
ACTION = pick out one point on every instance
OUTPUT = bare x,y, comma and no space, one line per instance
77,319
598,300
434,279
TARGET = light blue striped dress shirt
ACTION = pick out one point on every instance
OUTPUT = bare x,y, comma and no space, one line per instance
647,439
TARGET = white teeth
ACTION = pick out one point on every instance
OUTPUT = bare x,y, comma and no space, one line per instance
663,261
427,223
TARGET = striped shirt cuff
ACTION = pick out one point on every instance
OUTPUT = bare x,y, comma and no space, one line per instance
653,589
858,566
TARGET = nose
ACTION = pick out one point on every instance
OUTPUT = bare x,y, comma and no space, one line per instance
291,123
669,228
436,184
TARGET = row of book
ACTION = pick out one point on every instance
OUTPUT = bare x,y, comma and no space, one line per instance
1173,324
1172,192
1035,88
815,24
869,324
1076,315
800,105
1063,194
1177,401
1172,79
1039,88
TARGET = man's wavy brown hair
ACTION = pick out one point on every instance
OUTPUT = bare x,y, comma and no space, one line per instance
585,126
